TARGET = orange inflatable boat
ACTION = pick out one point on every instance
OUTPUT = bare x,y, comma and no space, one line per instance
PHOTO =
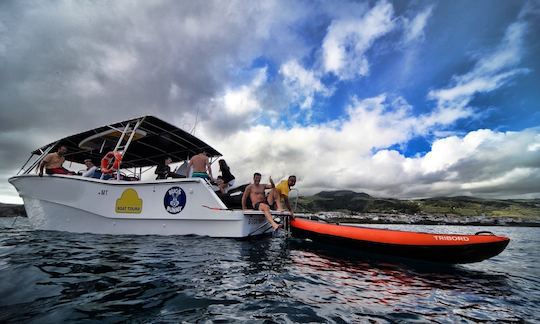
445,248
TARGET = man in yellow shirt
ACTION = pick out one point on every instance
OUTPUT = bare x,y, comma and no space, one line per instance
283,188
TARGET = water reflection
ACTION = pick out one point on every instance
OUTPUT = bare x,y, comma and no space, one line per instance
59,277
401,289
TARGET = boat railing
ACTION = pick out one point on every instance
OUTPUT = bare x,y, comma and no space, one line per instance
121,139
42,155
296,198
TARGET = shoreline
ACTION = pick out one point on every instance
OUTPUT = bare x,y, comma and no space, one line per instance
428,219
370,221
512,224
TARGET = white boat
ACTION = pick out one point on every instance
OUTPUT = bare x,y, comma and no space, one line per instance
181,206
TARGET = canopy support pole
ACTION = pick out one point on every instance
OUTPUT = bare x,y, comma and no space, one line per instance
122,137
139,122
25,163
38,161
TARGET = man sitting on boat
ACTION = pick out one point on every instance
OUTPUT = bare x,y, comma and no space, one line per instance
53,163
201,166
255,192
90,169
283,188
163,171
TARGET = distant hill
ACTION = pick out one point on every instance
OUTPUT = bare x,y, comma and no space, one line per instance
350,201
472,206
11,210
353,202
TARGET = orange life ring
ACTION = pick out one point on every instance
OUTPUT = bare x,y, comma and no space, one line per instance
113,157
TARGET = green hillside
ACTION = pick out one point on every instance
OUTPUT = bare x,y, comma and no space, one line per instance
11,210
470,206
353,202
350,201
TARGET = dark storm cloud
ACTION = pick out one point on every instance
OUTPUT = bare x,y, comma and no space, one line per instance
69,66
101,61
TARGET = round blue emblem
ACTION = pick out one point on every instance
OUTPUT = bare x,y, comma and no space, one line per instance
174,200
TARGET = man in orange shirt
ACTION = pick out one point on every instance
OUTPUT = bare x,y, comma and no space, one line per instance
283,188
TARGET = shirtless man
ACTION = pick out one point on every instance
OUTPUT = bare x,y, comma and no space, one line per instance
201,166
53,163
255,191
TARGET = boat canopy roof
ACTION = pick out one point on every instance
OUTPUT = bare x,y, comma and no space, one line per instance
153,141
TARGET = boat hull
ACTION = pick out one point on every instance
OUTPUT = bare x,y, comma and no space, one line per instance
441,248
168,207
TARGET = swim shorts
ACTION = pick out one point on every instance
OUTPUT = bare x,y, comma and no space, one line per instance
203,175
256,205
57,171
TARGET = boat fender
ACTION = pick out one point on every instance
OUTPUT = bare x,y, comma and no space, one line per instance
112,157
484,233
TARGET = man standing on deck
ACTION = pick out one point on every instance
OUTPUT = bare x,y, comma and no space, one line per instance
53,163
283,188
163,171
201,166
255,191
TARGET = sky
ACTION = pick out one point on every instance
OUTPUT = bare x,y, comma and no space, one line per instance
403,99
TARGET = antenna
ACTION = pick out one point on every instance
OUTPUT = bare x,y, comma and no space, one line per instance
192,132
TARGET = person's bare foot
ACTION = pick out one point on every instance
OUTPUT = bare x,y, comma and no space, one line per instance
276,226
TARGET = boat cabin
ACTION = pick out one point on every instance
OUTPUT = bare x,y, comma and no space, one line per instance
143,143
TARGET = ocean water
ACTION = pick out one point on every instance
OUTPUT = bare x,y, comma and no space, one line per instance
58,277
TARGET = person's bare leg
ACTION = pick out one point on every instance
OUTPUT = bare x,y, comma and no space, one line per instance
221,186
270,197
273,196
266,210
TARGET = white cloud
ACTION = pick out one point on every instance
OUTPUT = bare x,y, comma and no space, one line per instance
447,151
489,73
351,153
533,147
481,163
442,116
463,92
348,39
236,107
118,62
501,181
508,54
414,29
395,120
302,84
243,102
